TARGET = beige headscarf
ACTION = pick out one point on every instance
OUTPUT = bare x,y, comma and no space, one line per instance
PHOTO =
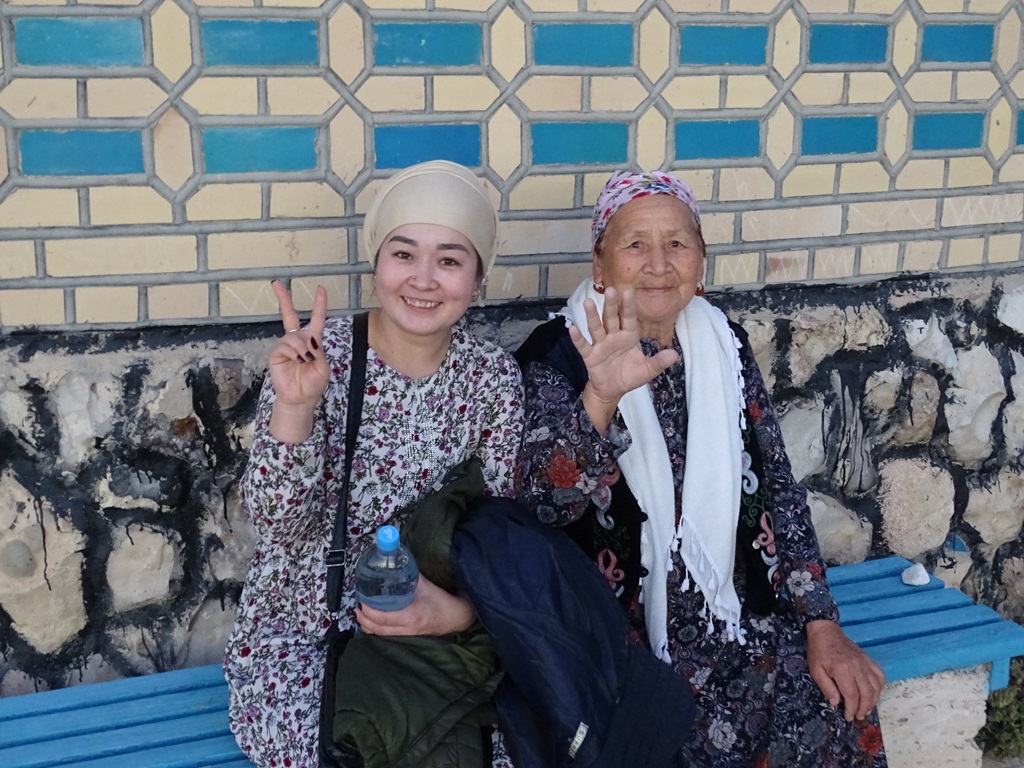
435,192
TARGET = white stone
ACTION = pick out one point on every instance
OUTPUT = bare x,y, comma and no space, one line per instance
96,669
881,390
917,424
174,397
208,633
997,513
915,576
973,403
1011,309
16,683
228,523
761,335
916,499
141,566
85,410
928,342
865,328
1013,413
156,647
16,413
842,535
802,433
817,334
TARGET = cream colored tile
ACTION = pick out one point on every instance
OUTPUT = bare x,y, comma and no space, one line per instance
942,6
696,6
863,177
3,148
32,306
1017,84
748,91
1008,42
891,216
904,43
250,250
1012,170
172,41
292,3
876,6
753,6
464,93
553,236
464,5
345,48
973,210
550,6
304,291
78,257
651,131
411,5
547,93
223,96
247,298
976,86
922,255
564,278
819,88
114,2
128,205
34,98
922,174
300,95
172,149
225,202
348,154
507,282
508,44
393,93
17,259
304,199
717,228
736,268
786,55
1003,248
614,6
178,301
123,97
897,137
785,223
745,184
538,192
504,142
655,45
965,253
781,128
969,172
367,194
810,180
934,87
693,92
879,258
702,182
985,6
36,2
107,304
786,266
834,263
224,3
40,208
593,183
870,87
616,94
1000,125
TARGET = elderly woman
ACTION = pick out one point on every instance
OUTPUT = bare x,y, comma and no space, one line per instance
651,438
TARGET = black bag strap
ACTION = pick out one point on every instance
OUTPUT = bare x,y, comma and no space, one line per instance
357,386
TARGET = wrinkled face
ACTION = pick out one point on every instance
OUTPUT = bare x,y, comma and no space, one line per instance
426,275
652,245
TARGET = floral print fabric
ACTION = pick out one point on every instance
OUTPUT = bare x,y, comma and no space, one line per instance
756,703
411,433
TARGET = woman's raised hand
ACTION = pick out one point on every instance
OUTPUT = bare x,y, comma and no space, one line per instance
616,364
298,368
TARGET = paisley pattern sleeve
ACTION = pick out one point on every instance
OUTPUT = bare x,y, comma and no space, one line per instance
801,565
564,463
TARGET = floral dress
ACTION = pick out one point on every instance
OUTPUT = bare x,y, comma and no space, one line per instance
757,704
411,433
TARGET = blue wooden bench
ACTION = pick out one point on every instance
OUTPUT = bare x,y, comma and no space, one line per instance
179,719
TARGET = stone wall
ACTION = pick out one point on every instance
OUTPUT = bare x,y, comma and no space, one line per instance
123,548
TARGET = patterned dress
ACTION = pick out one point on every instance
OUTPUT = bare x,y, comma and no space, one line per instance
412,432
756,703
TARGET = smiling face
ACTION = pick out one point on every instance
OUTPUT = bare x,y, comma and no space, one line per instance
653,246
426,276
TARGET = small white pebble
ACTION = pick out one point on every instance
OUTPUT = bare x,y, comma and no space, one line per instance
915,576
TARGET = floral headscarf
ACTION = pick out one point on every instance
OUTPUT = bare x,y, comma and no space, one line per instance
625,186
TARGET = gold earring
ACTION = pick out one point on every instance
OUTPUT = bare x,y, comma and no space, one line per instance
599,286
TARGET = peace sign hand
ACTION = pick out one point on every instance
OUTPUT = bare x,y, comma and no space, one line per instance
298,368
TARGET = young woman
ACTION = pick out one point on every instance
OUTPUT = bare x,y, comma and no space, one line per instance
435,395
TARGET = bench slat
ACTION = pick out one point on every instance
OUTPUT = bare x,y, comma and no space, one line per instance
839,575
923,625
878,589
928,601
221,751
110,716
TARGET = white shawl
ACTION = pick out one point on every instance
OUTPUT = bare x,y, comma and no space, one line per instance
706,535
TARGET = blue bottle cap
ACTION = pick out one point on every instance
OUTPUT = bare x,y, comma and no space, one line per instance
387,538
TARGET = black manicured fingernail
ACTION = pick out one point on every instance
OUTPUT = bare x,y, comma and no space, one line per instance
299,358
309,356
315,345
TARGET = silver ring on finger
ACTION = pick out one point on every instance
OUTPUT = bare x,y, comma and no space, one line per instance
294,330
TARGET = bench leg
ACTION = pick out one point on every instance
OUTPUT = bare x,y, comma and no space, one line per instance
932,720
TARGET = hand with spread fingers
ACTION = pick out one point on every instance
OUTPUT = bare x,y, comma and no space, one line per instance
298,368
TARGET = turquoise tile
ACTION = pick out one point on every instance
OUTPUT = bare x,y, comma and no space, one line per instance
430,45
78,42
80,152
398,146
734,44
1020,128
579,143
583,45
259,148
957,42
706,139
848,44
948,130
851,134
259,43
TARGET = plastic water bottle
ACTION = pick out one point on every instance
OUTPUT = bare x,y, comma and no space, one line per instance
386,573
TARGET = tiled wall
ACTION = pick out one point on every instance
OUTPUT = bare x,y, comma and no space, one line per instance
162,160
